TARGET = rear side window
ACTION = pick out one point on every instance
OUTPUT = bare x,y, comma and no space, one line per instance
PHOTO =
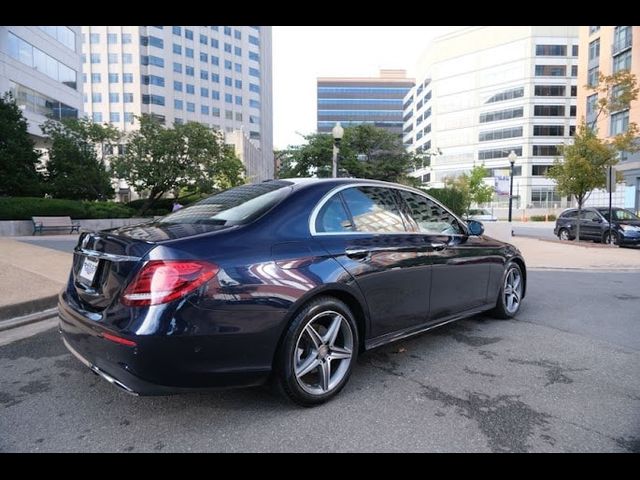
235,206
373,209
570,214
333,217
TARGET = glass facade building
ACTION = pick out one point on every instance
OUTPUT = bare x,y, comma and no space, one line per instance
351,101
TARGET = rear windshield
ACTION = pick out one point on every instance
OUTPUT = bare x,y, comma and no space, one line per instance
235,206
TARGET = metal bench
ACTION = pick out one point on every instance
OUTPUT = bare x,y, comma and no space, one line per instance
40,224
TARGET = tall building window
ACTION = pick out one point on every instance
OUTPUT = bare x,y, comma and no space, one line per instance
188,70
127,58
177,86
593,29
114,78
127,78
188,52
204,39
549,90
112,38
237,34
96,97
114,117
97,117
128,117
228,98
94,38
215,60
551,50
254,72
574,50
592,76
545,150
548,130
204,92
237,67
501,115
254,56
574,70
227,31
215,94
622,61
188,34
114,97
112,58
178,104
215,43
95,58
177,67
96,78
254,40
204,75
126,38
237,51
592,103
228,81
227,47
177,49
619,122
506,95
551,70
621,39
548,110
594,49
177,30
204,57
127,97
500,134
191,107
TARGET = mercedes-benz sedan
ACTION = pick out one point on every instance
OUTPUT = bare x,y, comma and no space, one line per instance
286,280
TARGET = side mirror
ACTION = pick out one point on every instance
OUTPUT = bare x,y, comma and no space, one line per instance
475,228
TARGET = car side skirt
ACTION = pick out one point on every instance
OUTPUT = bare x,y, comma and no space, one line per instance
409,332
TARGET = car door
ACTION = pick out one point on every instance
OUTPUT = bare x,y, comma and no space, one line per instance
362,228
590,224
461,264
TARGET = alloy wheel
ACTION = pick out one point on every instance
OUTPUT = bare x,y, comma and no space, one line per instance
323,353
512,290
564,234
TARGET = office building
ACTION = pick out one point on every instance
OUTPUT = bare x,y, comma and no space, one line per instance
608,49
363,100
40,66
219,76
483,92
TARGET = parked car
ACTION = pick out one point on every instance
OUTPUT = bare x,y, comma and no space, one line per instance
285,280
594,225
481,215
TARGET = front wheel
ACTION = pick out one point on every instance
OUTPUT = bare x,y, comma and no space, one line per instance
318,352
563,234
610,238
510,296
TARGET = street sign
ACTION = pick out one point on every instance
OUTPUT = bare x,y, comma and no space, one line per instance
611,180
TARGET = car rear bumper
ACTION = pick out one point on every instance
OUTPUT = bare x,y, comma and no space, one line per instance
156,365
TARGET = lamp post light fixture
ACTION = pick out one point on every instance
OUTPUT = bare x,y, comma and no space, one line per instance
337,133
512,160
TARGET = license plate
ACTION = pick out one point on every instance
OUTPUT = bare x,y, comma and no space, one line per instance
88,270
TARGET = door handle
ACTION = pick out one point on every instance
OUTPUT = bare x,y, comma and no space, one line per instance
357,253
438,246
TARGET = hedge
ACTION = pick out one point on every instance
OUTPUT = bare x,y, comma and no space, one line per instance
450,197
23,208
542,218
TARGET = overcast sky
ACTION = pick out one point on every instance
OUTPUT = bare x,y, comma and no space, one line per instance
301,54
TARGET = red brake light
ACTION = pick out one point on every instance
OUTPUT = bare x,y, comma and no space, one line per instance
161,281
120,340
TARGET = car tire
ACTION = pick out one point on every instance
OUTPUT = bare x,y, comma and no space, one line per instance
615,240
317,353
563,234
510,296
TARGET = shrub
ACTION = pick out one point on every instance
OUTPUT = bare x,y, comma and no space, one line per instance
542,218
23,208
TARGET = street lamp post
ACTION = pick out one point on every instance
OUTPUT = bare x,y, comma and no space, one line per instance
512,160
337,133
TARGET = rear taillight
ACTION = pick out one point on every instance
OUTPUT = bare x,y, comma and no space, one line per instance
161,281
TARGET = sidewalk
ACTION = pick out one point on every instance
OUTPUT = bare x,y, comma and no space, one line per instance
30,277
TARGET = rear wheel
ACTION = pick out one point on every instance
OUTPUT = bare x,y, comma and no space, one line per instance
610,238
318,352
510,296
563,234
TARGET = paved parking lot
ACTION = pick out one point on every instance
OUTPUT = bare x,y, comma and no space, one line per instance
564,376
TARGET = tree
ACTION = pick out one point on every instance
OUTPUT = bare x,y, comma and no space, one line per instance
365,152
18,159
187,157
472,187
74,170
588,158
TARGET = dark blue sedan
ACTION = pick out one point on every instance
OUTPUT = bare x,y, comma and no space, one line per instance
283,281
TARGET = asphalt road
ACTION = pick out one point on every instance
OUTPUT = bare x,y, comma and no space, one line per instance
563,377
536,232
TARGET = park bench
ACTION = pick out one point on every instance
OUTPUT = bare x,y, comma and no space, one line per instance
41,224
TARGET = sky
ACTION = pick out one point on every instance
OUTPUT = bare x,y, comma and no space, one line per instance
301,54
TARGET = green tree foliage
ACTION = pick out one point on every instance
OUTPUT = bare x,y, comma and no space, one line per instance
587,159
188,157
18,159
75,170
450,197
472,187
365,152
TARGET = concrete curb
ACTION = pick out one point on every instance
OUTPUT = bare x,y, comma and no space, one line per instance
27,319
9,312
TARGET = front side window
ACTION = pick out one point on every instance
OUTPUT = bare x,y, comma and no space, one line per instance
374,210
429,217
